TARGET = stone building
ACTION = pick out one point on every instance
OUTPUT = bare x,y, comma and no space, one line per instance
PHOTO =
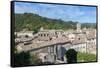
91,41
23,34
49,34
51,45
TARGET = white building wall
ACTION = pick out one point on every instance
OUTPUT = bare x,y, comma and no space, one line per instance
91,46
23,34
79,47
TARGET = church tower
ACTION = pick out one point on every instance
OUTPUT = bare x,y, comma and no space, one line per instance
78,27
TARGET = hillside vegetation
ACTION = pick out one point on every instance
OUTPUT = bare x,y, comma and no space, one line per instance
31,22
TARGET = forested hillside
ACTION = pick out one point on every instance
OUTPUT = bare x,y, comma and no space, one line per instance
31,22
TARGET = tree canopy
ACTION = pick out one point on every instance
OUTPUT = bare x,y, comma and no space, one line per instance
25,58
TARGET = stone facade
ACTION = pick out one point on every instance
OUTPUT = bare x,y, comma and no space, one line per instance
51,45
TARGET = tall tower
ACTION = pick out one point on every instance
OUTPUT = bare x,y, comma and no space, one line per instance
78,27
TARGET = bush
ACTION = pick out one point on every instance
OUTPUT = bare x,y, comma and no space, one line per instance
35,60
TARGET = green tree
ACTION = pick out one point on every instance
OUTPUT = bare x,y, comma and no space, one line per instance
22,59
25,58
71,56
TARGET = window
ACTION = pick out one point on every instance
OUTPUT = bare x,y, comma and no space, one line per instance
44,34
26,36
41,34
45,57
78,38
47,34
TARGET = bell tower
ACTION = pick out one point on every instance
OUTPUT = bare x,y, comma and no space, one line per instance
78,25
